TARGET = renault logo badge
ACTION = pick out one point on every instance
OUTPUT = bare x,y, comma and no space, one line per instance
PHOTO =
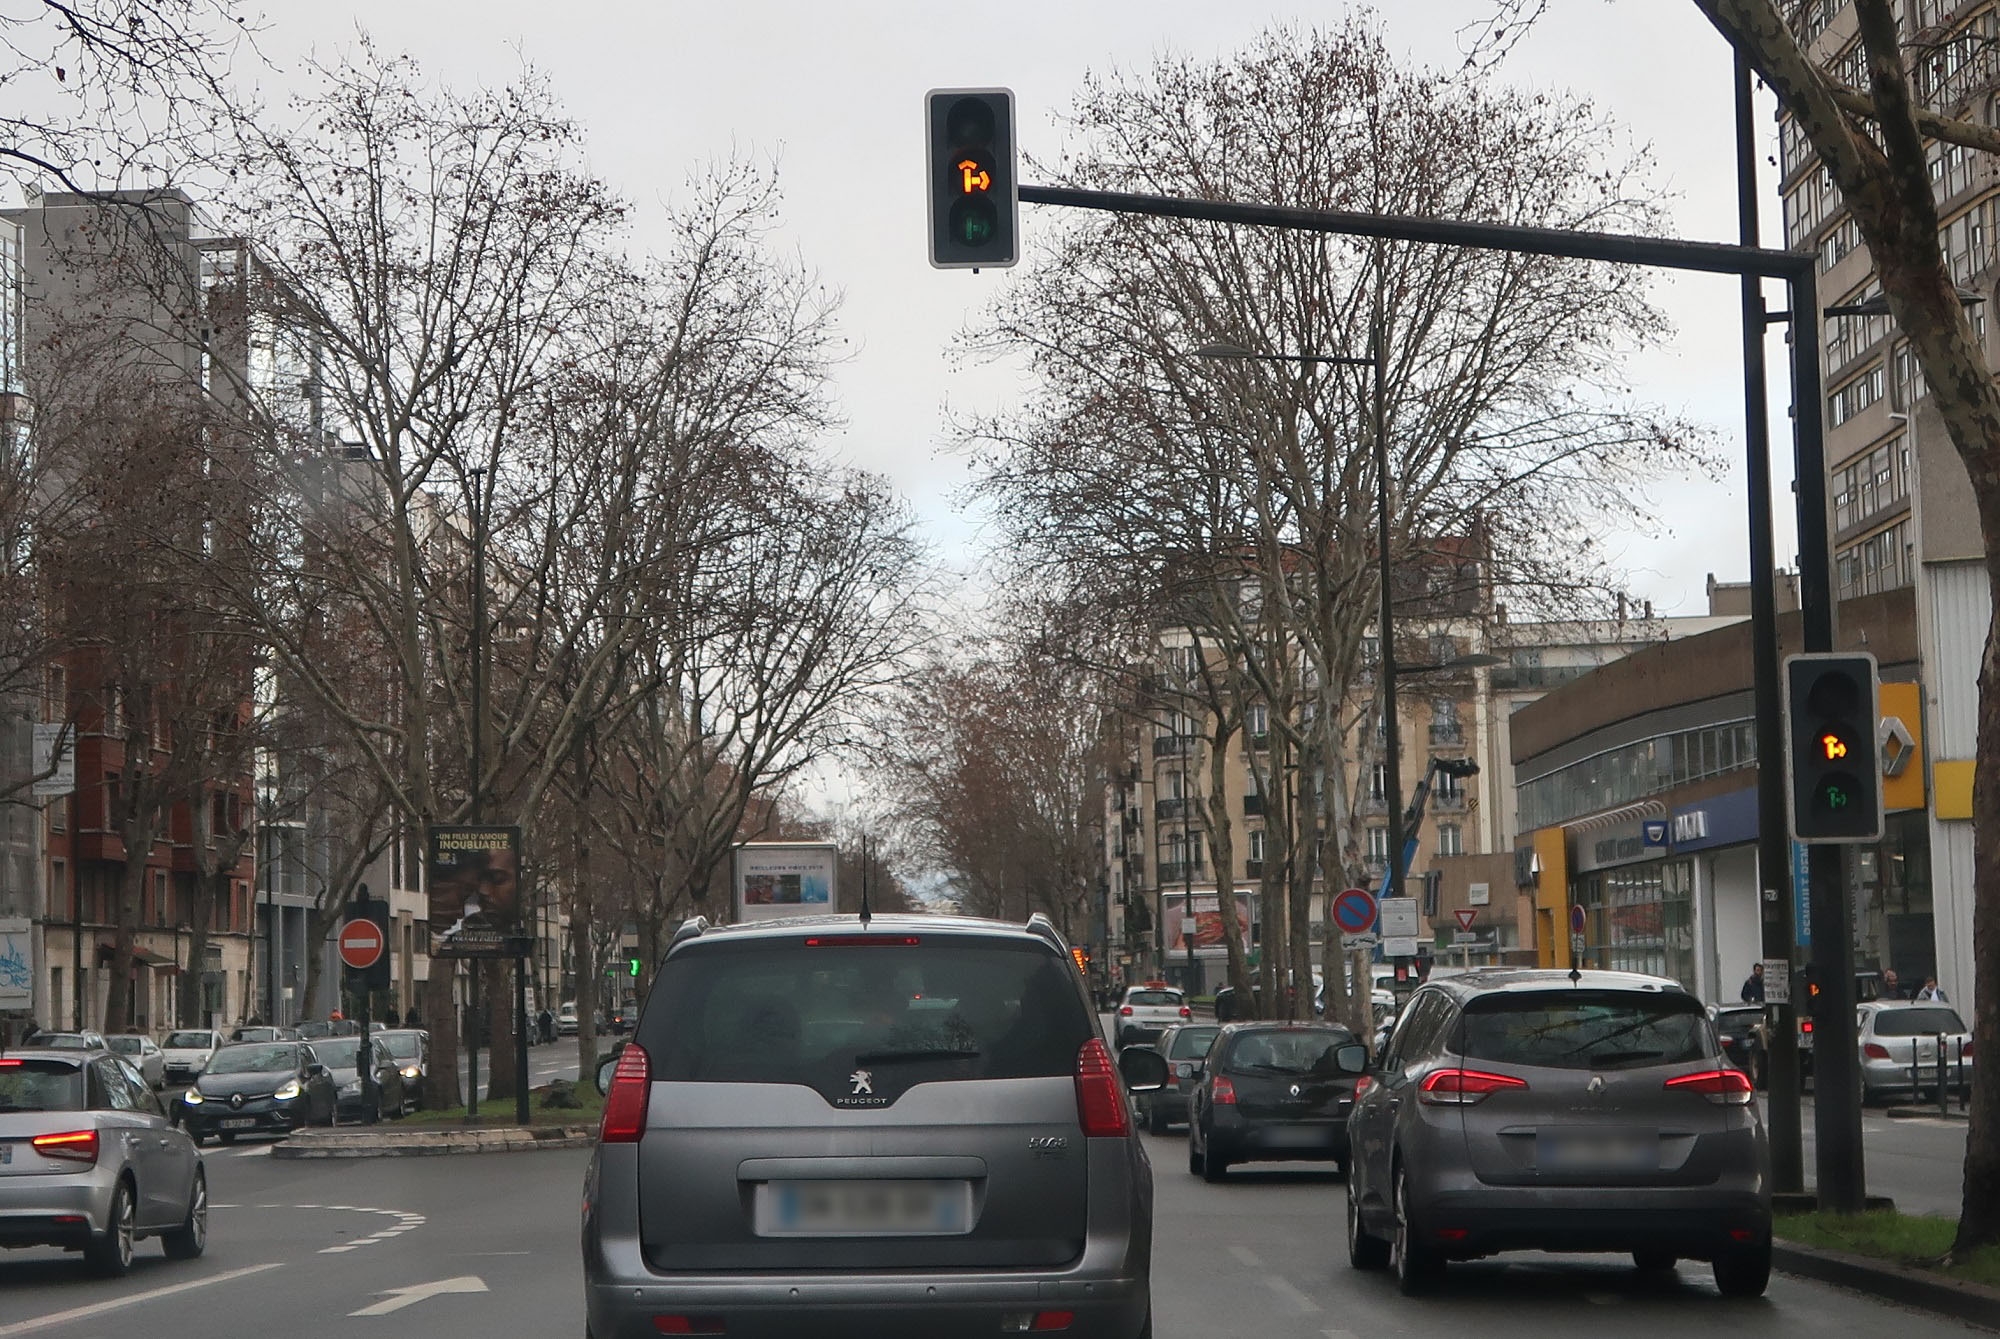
1596,1085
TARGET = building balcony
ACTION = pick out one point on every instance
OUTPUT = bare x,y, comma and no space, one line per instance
1166,811
1173,746
1253,869
1447,736
1259,741
1177,872
1448,802
1253,804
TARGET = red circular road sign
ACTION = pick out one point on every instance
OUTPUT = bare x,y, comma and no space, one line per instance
1354,910
361,944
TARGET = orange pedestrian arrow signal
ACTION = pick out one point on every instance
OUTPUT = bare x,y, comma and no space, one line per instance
976,178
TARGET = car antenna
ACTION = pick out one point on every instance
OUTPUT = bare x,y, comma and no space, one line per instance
864,881
1575,976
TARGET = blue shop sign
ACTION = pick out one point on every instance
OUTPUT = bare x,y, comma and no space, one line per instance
1725,820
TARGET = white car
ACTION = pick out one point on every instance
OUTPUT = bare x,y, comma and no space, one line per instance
185,1053
1148,1010
140,1053
566,1019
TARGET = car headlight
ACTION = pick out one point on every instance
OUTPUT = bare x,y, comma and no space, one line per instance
287,1090
351,1089
411,1072
192,1097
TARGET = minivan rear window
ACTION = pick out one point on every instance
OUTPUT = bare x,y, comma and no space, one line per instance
1584,1029
783,1011
1154,998
40,1085
1918,1023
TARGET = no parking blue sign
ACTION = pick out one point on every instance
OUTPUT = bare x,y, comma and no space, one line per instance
1354,910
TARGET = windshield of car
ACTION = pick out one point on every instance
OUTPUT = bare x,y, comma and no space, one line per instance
338,1052
40,1085
793,1012
190,1041
1920,1022
1171,998
254,1059
1287,1051
256,1034
309,1030
1584,1029
1738,1017
124,1045
1191,1043
402,1045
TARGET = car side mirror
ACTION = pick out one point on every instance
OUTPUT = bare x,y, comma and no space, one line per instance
605,1069
1351,1058
1143,1069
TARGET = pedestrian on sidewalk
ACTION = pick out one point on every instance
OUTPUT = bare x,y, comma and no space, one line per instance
1753,985
1892,989
1932,991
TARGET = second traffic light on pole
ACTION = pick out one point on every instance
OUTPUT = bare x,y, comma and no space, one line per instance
1833,769
969,137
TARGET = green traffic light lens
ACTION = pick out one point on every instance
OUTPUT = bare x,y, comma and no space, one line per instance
1836,794
973,221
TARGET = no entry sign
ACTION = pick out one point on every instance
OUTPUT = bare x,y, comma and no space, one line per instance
361,944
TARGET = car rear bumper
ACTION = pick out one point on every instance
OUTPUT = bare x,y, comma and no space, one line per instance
54,1210
1239,1140
1676,1221
1890,1076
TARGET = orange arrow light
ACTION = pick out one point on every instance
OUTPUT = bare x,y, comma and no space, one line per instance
1833,746
974,177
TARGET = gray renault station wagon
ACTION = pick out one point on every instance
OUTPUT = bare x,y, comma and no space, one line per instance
904,1126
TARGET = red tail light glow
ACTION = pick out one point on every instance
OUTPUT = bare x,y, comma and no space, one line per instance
10,1062
625,1103
1052,1320
1361,1083
1720,1086
863,941
689,1325
1125,1010
1463,1087
1224,1092
1967,1048
1186,1012
1875,1050
1100,1098
76,1145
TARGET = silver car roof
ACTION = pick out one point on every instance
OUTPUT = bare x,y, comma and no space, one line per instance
1499,980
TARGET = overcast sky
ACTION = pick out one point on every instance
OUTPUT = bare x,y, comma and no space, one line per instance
833,91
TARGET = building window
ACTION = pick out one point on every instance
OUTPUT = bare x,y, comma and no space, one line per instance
1258,721
1451,839
1378,782
1857,395
1378,843
1257,844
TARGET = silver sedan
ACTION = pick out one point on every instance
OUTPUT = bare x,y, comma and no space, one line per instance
1903,1045
88,1161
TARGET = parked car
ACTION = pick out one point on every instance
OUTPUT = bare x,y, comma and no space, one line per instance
342,1057
82,1040
89,1163
410,1049
566,1020
1741,1029
1185,1049
1556,1111
186,1052
143,1055
1273,1092
1898,1037
1148,1010
258,1088
311,1030
916,1115
260,1032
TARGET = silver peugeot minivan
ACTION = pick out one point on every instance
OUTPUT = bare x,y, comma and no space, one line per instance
904,1126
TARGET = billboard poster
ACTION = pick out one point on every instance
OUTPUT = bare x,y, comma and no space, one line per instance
1207,920
475,890
774,880
17,963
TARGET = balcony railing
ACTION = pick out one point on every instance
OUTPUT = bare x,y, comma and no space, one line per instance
1253,804
1168,810
1173,746
1180,872
1259,740
1448,802
1253,869
1447,735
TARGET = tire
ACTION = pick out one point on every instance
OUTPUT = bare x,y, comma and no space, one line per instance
1744,1273
199,1140
1194,1157
227,1137
1363,1251
1654,1262
190,1239
110,1256
1418,1268
1156,1119
1146,1330
1213,1167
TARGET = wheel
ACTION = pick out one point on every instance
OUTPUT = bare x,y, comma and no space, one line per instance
1654,1262
200,1140
1418,1267
1194,1156
1363,1251
1146,1330
190,1239
227,1137
1156,1118
110,1256
1213,1166
1340,1168
1744,1273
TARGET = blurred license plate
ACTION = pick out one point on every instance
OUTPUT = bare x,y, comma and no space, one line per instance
863,1208
238,1123
6,1154
1592,1151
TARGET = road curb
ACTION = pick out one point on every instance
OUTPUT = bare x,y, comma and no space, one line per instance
1905,1284
379,1143
1919,1113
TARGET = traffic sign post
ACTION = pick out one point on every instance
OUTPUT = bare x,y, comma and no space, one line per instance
1354,911
363,942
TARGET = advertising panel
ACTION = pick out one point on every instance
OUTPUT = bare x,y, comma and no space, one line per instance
774,880
1207,920
475,891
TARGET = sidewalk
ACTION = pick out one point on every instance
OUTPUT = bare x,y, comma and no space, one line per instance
384,1141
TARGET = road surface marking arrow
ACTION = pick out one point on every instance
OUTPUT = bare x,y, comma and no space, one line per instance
398,1298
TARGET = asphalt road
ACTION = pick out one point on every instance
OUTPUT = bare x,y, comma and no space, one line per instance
297,1248
1918,1162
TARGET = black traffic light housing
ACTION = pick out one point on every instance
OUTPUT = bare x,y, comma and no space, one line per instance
974,211
1833,767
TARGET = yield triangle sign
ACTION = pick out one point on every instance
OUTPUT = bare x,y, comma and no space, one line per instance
1466,916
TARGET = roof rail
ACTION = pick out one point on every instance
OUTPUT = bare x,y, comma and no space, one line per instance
688,929
1042,927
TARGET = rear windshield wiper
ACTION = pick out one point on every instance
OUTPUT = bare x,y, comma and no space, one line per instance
889,1057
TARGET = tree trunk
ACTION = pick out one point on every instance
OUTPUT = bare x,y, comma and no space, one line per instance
441,1086
1979,1212
200,917
125,918
1222,852
496,990
583,952
318,921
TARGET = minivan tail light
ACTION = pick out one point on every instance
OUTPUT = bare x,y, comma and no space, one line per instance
1875,1050
1125,1010
75,1145
625,1101
1224,1093
1100,1098
1723,1087
1462,1087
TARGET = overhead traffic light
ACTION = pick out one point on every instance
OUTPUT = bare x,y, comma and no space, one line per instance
1833,768
970,142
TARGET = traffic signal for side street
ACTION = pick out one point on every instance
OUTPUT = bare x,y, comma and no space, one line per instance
969,137
1833,771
